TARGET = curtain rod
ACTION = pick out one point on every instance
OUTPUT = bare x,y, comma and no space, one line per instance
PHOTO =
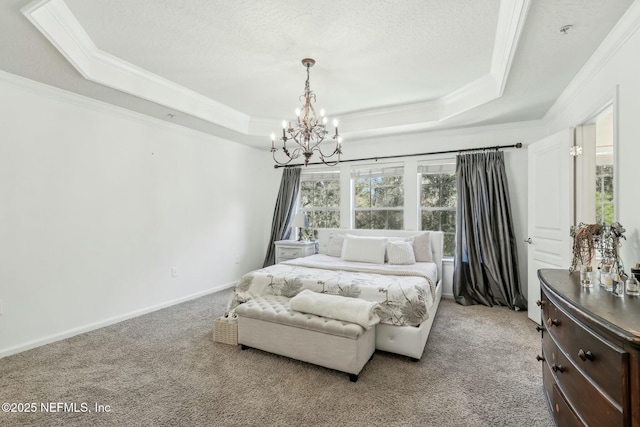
463,150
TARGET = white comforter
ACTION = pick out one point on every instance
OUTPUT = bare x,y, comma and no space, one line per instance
405,292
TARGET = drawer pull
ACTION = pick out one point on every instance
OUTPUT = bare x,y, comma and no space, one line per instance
539,328
539,303
553,322
557,368
540,358
585,355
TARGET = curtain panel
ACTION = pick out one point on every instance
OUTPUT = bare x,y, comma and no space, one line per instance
284,211
486,258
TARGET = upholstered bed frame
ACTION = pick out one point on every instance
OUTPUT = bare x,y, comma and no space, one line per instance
404,340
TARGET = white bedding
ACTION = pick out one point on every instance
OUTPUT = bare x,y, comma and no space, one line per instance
353,310
405,292
428,270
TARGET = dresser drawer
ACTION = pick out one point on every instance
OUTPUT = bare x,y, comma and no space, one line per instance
603,362
562,413
581,393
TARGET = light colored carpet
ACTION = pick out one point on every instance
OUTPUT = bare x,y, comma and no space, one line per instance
479,369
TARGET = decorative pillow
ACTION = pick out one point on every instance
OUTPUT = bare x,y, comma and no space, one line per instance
334,248
422,247
400,252
397,239
364,249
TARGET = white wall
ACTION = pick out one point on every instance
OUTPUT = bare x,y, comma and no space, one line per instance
97,204
612,74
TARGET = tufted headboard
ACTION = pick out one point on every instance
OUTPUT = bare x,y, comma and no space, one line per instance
435,238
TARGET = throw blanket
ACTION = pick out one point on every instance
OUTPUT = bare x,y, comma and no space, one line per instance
405,293
353,310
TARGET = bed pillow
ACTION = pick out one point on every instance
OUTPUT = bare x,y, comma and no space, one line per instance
334,248
400,252
422,247
397,239
364,249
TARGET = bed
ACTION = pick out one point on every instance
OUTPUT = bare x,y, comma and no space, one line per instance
401,270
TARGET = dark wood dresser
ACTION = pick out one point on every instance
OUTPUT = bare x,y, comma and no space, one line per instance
590,353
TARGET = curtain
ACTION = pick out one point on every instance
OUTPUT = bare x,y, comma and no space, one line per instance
284,211
486,258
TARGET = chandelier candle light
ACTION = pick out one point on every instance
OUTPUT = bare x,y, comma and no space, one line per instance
308,131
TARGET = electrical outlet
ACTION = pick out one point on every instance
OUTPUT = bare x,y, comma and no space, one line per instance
174,271
237,261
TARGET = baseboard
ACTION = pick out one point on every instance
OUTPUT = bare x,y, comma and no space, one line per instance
447,296
107,322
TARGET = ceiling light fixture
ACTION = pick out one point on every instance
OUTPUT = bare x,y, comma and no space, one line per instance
308,130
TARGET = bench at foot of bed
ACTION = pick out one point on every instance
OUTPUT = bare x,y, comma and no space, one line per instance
269,324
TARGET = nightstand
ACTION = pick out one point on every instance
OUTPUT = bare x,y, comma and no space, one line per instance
290,249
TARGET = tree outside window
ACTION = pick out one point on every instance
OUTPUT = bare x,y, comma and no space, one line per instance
320,198
438,201
379,198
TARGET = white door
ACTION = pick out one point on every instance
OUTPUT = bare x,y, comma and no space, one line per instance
550,200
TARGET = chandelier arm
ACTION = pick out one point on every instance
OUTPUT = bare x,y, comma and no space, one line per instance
331,163
322,155
279,162
297,153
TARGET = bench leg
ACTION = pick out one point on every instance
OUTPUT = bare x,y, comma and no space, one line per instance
353,378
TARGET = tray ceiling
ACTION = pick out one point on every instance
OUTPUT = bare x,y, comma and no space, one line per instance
232,68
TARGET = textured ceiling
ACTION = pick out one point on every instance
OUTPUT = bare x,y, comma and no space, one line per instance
371,55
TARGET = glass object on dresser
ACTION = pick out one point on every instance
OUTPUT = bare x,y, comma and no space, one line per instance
633,285
586,276
606,280
617,286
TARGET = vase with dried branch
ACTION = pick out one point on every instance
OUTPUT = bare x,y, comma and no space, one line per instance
589,239
608,247
585,238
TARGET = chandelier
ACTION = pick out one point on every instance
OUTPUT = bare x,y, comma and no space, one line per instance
308,131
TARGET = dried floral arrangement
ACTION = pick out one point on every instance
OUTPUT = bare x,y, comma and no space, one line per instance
591,238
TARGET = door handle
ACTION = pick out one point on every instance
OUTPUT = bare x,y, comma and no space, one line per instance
528,240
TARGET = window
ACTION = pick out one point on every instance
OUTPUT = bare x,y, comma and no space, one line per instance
378,198
320,198
604,168
604,193
438,201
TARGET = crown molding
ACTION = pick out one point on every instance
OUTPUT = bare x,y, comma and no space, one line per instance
74,99
511,19
533,128
58,24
